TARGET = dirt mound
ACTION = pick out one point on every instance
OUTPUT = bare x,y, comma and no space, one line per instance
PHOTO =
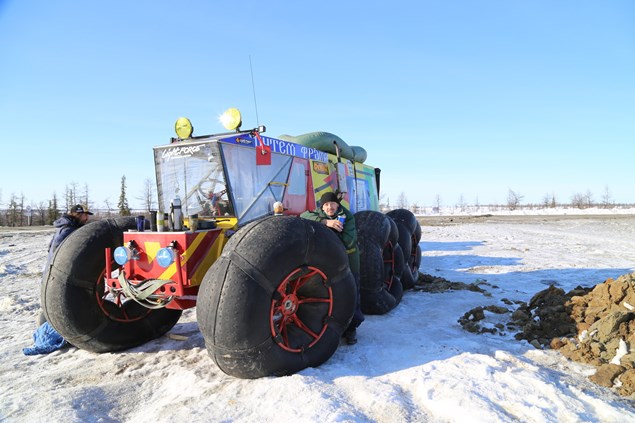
594,326
429,283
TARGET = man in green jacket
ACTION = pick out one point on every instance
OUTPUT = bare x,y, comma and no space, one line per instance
339,219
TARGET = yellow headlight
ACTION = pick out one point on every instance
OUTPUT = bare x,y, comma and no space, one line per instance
231,119
183,128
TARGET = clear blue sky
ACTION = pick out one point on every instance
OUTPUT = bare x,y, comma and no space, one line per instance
450,98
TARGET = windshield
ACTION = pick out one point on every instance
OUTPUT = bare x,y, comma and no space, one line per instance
193,173
254,188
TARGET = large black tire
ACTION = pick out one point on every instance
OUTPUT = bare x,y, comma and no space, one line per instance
409,237
406,243
405,217
393,263
417,260
278,298
393,276
417,232
381,288
73,295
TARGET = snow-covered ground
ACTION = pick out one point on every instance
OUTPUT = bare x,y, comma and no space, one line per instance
415,364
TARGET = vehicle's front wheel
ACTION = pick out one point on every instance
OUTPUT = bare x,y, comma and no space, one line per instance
77,304
278,298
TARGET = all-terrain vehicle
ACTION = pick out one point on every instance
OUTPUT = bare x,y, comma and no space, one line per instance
273,292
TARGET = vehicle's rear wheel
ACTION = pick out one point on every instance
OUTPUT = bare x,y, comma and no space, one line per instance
409,237
76,303
393,263
278,298
380,290
405,217
392,278
417,261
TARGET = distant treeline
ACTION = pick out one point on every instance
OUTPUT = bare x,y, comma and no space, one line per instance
46,217
21,212
580,200
39,217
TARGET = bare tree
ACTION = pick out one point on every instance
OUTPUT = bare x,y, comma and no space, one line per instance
13,211
85,200
41,210
461,203
70,195
384,203
588,198
402,201
109,207
380,200
607,200
513,199
21,209
579,201
147,195
546,200
437,203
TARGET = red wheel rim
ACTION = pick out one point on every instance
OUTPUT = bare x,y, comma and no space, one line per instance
301,309
389,257
115,305
413,254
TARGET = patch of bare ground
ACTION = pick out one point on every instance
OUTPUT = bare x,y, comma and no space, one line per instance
594,326
429,283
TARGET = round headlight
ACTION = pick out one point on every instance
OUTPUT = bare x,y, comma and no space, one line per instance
165,257
122,255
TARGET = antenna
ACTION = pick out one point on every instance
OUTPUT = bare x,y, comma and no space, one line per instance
253,88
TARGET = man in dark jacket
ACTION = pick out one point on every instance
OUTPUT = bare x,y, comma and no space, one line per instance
67,224
338,218
46,338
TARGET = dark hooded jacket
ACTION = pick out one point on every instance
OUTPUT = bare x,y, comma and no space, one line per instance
348,235
65,226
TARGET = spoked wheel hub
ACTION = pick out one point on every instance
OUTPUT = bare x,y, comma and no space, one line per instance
290,305
115,305
301,308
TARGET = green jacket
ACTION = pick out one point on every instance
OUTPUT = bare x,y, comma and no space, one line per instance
348,235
